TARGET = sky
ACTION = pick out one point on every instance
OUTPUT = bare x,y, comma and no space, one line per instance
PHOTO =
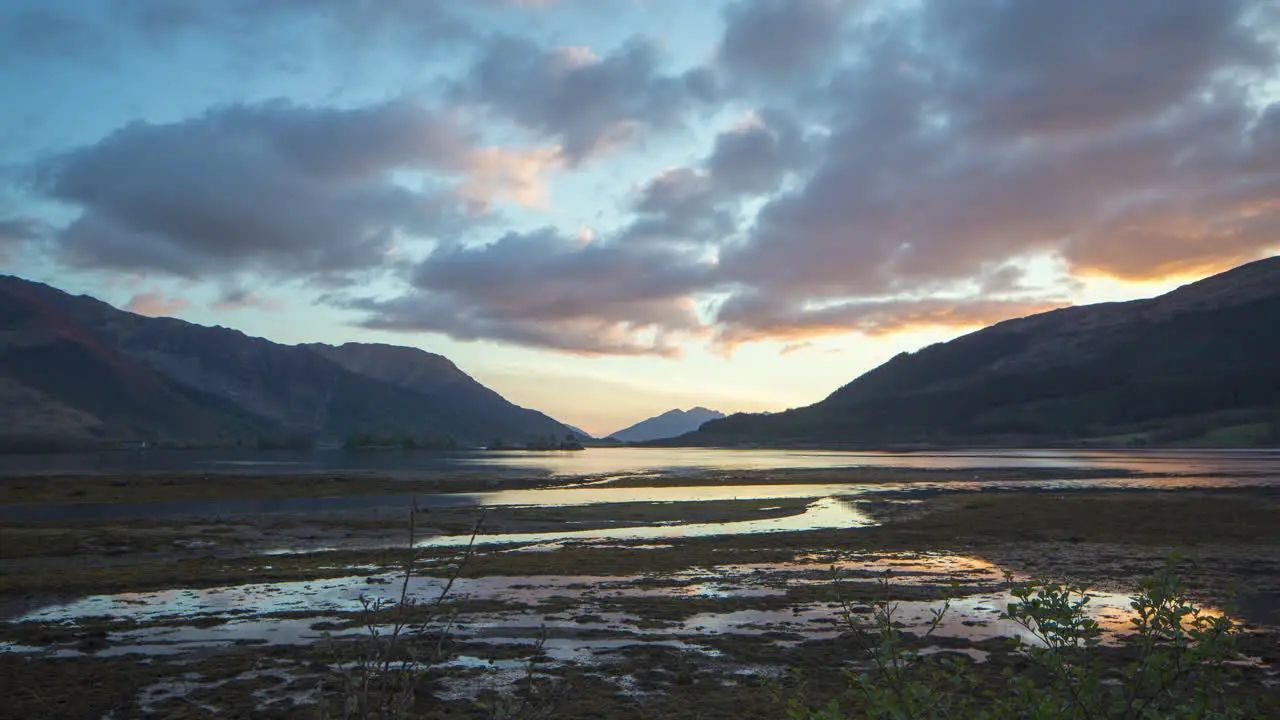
605,209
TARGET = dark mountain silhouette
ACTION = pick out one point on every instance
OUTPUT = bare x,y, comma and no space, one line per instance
667,425
580,433
74,370
1200,365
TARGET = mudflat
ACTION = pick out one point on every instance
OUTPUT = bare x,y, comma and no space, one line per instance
266,614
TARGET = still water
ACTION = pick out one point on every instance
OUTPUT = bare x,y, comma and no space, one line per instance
605,461
1179,469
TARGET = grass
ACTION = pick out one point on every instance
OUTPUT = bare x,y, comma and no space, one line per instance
1133,517
1235,436
162,487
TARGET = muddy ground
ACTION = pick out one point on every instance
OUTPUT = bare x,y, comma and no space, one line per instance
272,615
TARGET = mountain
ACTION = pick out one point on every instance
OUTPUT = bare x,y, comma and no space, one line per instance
478,411
667,425
77,371
1199,366
582,434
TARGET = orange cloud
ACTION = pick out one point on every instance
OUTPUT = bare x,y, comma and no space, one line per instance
1156,244
154,304
872,318
517,175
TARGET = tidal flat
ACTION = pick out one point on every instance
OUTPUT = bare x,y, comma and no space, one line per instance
580,592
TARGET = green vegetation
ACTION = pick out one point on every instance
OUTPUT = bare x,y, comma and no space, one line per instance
1175,664
1249,435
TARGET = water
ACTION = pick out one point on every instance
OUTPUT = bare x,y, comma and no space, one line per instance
636,460
344,594
600,461
600,493
251,613
1184,469
825,514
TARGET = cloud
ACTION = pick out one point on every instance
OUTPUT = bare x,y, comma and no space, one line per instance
894,165
35,30
775,41
1035,67
753,156
98,28
927,182
279,189
681,205
17,232
751,318
586,103
701,203
515,175
242,299
550,290
154,304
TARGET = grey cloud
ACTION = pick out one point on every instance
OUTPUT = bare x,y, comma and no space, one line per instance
587,103
780,40
754,157
34,29
21,229
273,188
18,232
244,299
256,30
545,289
914,192
1028,67
681,205
421,27
418,21
700,204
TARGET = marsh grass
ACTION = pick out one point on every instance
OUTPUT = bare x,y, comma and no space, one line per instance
387,673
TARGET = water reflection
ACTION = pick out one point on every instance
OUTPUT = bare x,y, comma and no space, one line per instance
603,461
825,514
594,493
252,613
635,460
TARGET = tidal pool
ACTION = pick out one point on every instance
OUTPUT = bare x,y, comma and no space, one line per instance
583,616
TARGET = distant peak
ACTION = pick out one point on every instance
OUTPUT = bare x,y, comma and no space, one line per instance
669,424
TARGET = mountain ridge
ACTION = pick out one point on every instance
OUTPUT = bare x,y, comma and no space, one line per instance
166,379
1195,365
671,423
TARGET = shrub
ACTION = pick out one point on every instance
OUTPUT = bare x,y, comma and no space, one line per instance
1176,663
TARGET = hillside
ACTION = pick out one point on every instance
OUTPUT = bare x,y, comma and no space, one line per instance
1200,365
667,425
75,371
